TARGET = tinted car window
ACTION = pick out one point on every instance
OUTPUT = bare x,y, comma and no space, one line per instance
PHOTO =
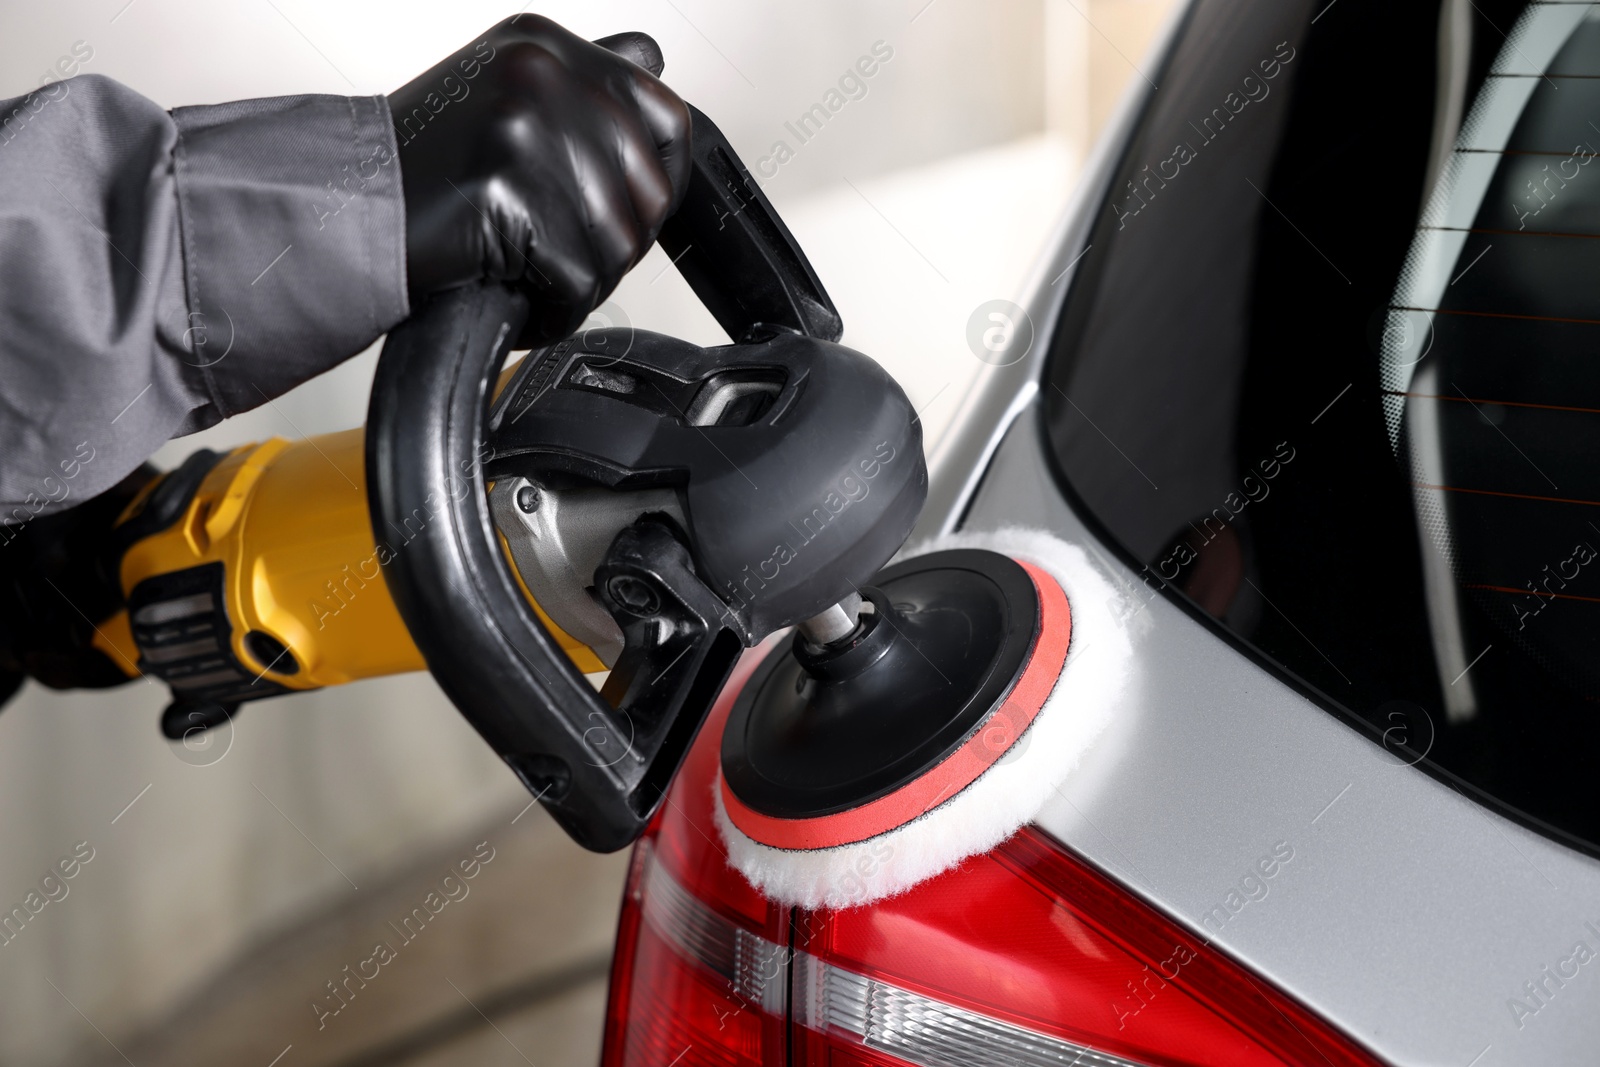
1329,373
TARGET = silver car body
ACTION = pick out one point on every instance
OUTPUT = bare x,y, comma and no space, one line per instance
1410,915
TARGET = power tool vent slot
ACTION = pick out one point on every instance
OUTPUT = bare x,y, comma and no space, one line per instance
180,623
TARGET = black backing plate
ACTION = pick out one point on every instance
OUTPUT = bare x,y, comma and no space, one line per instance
796,746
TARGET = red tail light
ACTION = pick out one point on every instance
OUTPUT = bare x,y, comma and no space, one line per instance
1022,957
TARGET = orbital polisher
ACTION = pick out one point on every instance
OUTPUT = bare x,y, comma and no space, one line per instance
628,502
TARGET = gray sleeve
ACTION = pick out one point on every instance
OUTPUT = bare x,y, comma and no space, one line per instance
160,272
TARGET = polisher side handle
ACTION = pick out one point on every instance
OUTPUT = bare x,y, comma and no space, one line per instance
455,591
600,766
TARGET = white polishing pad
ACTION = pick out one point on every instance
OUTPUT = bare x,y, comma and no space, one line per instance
1006,796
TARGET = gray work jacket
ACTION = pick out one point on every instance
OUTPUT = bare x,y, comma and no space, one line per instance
160,271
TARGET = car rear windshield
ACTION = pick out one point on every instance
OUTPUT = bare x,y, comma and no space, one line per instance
1329,371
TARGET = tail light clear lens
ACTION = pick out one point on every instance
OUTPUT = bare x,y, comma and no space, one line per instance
701,974
1024,956
697,989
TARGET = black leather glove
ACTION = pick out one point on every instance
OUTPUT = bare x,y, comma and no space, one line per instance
536,157
58,581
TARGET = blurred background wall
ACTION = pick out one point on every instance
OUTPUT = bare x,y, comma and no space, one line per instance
230,881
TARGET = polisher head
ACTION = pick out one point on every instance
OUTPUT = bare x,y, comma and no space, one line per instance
833,745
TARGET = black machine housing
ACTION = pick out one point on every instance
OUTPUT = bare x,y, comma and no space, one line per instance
796,464
794,470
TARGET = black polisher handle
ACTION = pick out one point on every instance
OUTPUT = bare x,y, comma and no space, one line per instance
601,771
736,253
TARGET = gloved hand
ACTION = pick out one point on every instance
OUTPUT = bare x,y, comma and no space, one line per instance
536,157
58,575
